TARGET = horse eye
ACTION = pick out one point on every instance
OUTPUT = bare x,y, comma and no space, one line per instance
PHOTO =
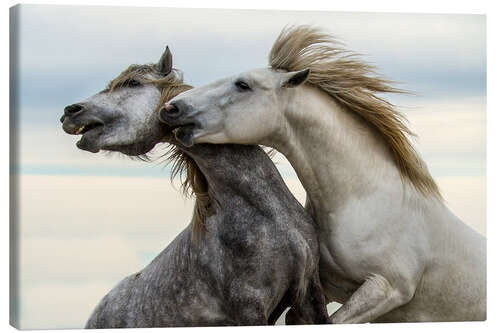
133,83
242,85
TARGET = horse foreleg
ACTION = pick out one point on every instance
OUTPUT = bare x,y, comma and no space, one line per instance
375,297
312,309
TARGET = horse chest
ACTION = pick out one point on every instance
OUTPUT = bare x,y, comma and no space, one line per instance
243,234
350,243
337,283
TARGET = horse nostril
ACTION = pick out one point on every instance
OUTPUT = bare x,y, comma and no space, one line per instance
169,111
72,109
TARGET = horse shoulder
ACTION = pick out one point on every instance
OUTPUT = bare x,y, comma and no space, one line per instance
372,237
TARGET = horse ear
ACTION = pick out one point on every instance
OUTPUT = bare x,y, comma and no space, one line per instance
165,63
294,79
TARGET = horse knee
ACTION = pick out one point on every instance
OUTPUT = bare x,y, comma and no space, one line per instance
404,295
399,293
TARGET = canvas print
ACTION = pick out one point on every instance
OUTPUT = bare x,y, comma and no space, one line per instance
207,167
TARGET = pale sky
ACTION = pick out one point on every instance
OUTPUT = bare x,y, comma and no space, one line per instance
88,220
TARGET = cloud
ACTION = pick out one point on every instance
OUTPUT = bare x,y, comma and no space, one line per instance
59,306
80,31
466,198
67,259
89,207
451,135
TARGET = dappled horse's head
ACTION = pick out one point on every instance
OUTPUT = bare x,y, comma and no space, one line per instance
123,118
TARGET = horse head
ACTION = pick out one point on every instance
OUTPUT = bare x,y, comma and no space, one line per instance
122,117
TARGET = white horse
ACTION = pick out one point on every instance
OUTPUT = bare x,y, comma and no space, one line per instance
391,251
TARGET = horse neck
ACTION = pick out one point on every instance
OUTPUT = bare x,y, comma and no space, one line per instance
335,153
239,171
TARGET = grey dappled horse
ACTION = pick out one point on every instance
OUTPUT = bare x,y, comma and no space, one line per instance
250,251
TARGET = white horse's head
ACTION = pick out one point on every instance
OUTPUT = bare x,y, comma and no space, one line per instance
244,109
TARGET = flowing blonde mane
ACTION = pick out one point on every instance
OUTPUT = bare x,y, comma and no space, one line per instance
354,85
193,182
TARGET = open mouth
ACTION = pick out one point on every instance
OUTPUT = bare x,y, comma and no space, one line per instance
74,129
85,128
184,133
176,129
89,130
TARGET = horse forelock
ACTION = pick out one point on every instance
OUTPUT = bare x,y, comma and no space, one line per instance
193,182
354,85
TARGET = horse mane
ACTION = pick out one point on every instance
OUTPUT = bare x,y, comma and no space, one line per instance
353,84
193,182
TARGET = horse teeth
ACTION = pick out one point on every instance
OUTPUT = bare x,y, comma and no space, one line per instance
78,131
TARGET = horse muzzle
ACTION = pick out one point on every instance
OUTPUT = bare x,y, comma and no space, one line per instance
170,114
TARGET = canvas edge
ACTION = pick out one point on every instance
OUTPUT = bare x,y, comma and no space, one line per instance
14,308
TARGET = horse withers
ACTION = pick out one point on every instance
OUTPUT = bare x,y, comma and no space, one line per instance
250,251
